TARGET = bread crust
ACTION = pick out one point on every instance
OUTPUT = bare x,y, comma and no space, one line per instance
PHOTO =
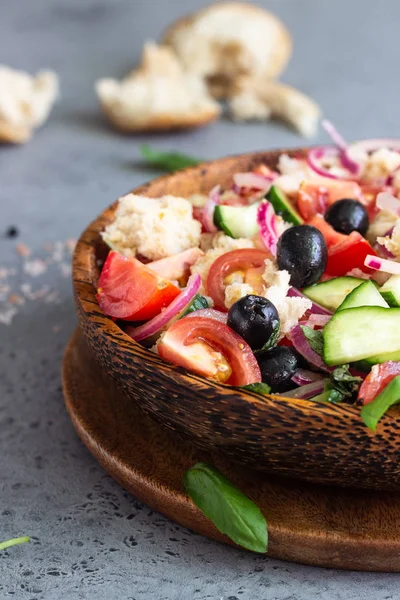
157,96
222,59
14,134
261,100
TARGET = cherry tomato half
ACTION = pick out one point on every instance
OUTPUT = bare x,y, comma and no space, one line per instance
315,197
378,378
349,254
210,348
236,260
131,291
331,236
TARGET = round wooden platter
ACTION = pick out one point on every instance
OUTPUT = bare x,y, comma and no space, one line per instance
315,525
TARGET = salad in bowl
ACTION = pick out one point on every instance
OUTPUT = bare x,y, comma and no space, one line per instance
285,282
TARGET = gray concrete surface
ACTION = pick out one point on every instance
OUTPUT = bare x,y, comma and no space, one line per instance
90,539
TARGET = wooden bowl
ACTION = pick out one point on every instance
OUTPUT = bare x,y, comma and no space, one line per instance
314,442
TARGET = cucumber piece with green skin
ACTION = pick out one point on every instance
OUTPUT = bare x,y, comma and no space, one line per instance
355,334
283,206
389,396
237,221
365,294
377,359
331,294
391,291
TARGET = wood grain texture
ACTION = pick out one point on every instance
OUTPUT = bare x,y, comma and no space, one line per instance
315,442
311,524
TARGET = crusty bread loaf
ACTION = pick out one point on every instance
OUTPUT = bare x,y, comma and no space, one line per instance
158,95
226,40
25,102
264,99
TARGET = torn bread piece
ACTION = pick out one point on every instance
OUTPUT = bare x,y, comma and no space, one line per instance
262,100
158,95
25,102
227,40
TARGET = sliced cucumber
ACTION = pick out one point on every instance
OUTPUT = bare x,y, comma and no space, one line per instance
391,291
283,206
377,359
365,294
359,333
237,221
331,294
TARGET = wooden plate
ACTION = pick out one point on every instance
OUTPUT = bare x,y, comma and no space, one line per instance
316,442
310,524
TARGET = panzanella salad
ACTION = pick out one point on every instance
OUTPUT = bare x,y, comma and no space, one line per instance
286,282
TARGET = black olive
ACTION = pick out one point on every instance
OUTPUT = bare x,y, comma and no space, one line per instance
302,251
348,215
278,367
256,319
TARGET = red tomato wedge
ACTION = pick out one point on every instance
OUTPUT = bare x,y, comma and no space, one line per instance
349,254
131,291
315,197
210,348
236,260
378,378
331,236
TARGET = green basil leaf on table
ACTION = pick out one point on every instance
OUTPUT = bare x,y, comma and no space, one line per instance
233,513
167,161
14,542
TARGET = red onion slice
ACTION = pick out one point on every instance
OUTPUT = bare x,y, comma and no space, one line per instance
382,264
319,320
388,202
209,313
316,309
303,376
252,180
157,323
314,157
302,346
334,134
266,219
305,392
346,160
214,198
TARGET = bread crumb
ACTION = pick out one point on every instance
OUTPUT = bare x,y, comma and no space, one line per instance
227,40
25,102
158,95
262,99
152,227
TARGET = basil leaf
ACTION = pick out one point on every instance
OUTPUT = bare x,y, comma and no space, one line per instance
390,395
315,339
344,382
259,388
167,161
227,507
14,542
332,396
272,340
197,303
